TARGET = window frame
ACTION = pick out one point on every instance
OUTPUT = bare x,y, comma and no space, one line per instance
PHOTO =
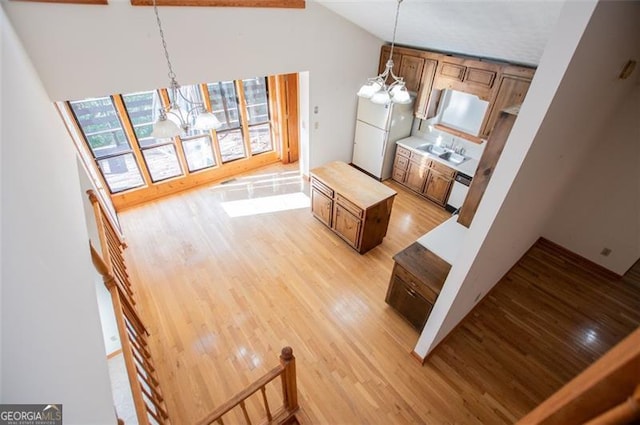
130,151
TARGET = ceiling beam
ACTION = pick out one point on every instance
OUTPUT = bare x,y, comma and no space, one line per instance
287,4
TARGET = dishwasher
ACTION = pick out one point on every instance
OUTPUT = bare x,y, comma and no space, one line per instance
458,192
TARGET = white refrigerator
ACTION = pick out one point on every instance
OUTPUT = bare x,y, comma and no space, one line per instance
378,127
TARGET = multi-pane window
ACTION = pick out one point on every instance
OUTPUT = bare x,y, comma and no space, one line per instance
255,94
118,131
224,105
159,154
107,141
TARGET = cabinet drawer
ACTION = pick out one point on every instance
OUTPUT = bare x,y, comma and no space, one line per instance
322,187
398,175
349,206
401,162
420,159
403,151
414,284
451,70
443,169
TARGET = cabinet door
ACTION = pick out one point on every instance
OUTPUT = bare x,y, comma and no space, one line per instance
321,206
416,176
425,108
410,304
411,70
511,92
384,57
437,187
347,225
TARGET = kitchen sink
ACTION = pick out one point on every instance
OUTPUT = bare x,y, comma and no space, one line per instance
453,157
443,153
432,149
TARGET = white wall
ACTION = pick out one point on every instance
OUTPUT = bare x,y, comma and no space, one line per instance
84,51
559,122
52,351
601,208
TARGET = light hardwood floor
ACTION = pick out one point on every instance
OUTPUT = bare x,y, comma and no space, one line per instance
222,295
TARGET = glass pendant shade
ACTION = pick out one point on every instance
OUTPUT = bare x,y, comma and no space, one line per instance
399,94
206,121
369,89
381,97
165,129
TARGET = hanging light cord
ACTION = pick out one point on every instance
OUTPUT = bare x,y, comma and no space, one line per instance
395,27
171,74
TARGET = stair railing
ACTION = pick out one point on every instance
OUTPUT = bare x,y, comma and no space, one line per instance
287,371
147,396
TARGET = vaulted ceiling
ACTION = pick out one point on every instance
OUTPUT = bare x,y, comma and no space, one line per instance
511,30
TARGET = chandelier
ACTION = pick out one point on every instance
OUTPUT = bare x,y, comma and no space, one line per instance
377,88
175,120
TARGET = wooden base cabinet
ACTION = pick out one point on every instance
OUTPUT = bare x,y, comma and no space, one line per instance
355,206
407,301
416,281
424,176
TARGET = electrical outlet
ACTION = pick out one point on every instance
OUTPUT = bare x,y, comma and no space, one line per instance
605,252
316,125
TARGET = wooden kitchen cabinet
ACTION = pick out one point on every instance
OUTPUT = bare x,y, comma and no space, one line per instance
424,108
405,65
321,206
467,75
424,176
428,73
437,187
416,281
356,207
347,225
513,87
416,175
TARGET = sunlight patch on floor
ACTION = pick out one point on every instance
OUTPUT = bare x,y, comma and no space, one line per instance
267,204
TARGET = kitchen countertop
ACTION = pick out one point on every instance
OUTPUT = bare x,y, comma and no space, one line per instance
468,167
445,240
358,187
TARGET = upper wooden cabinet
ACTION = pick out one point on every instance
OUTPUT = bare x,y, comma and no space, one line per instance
466,75
407,66
428,73
512,88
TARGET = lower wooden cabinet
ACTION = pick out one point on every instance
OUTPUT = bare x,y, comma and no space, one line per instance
416,281
424,176
355,206
437,187
408,302
347,225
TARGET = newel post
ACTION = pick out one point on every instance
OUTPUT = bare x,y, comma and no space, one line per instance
289,386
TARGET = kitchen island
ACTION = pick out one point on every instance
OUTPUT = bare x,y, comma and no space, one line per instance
355,206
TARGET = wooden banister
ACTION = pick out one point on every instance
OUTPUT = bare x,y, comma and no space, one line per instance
286,370
145,389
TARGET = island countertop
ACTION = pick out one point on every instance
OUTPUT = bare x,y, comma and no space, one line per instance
359,188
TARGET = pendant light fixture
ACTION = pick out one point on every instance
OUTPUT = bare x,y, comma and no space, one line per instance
174,120
377,88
